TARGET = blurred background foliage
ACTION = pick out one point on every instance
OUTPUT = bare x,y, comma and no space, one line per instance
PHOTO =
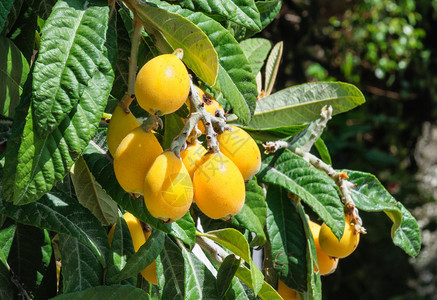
387,48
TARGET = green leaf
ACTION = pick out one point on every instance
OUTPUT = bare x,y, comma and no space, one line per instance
122,250
6,237
144,256
34,164
199,53
302,104
13,74
235,79
170,271
314,284
5,8
199,281
103,171
173,125
70,54
253,214
370,195
112,292
30,255
91,194
287,239
323,151
235,242
268,10
256,51
80,267
242,12
60,213
272,67
314,187
267,292
226,273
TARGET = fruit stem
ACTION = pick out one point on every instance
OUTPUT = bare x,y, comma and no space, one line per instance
133,62
151,123
302,146
198,112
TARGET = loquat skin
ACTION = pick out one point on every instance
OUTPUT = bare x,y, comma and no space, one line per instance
285,292
239,146
335,248
162,85
139,237
133,158
191,156
121,124
168,189
211,106
326,264
219,189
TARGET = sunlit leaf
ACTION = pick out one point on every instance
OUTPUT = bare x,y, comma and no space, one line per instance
302,104
91,194
312,186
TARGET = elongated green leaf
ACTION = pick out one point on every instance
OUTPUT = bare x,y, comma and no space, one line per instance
302,104
199,53
256,51
170,271
173,125
103,171
287,239
235,79
70,54
5,9
235,242
121,70
253,214
314,187
226,273
242,12
60,213
30,255
6,237
112,292
122,250
13,73
34,164
272,67
91,194
269,10
314,284
323,151
144,256
267,292
370,195
80,267
199,281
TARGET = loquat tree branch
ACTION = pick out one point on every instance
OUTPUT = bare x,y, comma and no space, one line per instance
133,63
213,124
301,145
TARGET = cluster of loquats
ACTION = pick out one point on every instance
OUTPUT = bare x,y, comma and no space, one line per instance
328,250
170,180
